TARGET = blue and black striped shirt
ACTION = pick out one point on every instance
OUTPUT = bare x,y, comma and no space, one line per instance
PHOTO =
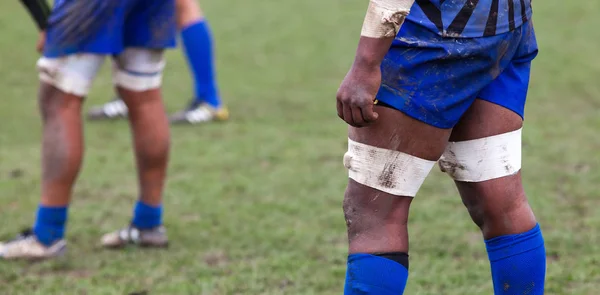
470,18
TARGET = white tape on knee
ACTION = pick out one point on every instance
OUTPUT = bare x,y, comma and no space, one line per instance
71,74
483,159
138,69
389,171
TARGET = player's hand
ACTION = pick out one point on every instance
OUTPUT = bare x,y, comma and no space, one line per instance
356,95
40,42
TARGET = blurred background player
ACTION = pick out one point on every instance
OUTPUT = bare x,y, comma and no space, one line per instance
79,34
206,106
450,88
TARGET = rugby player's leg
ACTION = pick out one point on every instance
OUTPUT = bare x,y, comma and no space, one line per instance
485,161
64,83
377,221
137,78
499,206
62,154
198,48
149,29
149,126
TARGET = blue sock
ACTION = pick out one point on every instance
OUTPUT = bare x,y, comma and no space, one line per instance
146,216
374,275
49,224
518,263
199,52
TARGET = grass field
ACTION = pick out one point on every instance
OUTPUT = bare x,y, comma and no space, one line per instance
254,205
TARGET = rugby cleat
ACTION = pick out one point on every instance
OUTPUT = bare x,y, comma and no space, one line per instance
130,235
198,113
114,109
26,246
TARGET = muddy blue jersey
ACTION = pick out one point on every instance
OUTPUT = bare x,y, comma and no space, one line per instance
470,18
451,52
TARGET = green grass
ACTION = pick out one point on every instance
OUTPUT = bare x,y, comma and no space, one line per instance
254,205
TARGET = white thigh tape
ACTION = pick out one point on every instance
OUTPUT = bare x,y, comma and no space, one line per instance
483,159
138,69
384,17
135,81
71,74
389,171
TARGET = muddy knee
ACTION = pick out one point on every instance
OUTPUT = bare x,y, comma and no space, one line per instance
499,206
365,208
376,220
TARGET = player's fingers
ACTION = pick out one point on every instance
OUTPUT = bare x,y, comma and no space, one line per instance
348,115
357,116
368,113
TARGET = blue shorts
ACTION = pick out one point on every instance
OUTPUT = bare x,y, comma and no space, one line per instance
435,79
109,26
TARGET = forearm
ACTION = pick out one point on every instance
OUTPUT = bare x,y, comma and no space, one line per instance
382,23
39,11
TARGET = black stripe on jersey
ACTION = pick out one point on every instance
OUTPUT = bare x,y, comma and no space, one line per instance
492,22
462,18
433,13
523,11
511,15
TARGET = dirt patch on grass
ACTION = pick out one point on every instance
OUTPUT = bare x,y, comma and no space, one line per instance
16,173
217,258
